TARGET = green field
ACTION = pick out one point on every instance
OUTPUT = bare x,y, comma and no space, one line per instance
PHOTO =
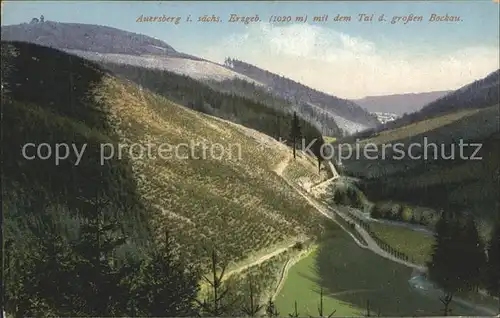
417,245
351,276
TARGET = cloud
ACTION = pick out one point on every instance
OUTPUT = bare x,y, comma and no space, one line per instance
349,66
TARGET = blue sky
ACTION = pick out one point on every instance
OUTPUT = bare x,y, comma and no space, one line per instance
374,57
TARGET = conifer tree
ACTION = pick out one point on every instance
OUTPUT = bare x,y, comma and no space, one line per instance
271,310
216,303
160,284
100,236
474,257
253,307
295,133
444,269
317,149
493,265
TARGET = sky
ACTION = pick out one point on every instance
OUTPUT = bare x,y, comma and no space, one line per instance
348,59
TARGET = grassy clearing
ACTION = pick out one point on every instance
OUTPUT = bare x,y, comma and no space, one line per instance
417,245
305,291
351,276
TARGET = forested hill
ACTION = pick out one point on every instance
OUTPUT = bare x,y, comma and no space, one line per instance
482,93
131,234
110,45
319,118
299,93
88,37
256,114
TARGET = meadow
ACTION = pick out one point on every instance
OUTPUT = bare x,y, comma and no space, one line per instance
352,278
415,244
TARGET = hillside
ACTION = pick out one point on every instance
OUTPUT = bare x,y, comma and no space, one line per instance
399,104
317,117
349,116
88,37
264,115
109,45
195,68
481,93
232,200
439,176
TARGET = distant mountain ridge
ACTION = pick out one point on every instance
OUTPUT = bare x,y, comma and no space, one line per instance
88,37
317,117
399,103
481,93
350,116
105,44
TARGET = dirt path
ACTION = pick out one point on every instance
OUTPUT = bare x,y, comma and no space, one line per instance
332,214
282,279
372,245
321,184
260,260
280,168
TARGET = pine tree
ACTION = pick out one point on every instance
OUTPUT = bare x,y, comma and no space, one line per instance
271,310
253,307
321,306
160,285
493,265
445,266
295,133
317,149
216,304
100,236
38,264
474,256
278,127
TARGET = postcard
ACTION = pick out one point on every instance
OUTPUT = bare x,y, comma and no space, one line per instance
250,158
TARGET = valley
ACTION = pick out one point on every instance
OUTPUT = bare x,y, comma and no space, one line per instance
212,208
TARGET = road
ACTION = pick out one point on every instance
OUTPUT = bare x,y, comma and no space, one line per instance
413,227
371,244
